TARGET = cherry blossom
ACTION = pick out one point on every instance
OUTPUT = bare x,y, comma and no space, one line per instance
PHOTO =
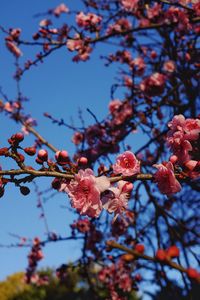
126,164
169,66
14,49
129,5
88,20
62,8
154,84
115,199
84,191
166,180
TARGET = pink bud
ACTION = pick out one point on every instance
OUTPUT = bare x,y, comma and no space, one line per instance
191,164
43,155
127,188
19,137
61,154
83,160
173,159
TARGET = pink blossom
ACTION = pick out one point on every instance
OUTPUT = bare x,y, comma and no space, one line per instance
128,82
169,66
15,33
178,16
154,84
154,11
116,198
74,44
114,105
126,164
82,225
84,191
13,48
45,22
138,65
166,180
62,8
196,7
191,128
129,5
82,47
11,106
120,25
121,111
176,123
29,122
181,137
77,138
89,20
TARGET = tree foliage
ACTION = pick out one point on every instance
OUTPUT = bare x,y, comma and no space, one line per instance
136,208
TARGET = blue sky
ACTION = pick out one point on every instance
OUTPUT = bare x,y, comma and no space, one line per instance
59,87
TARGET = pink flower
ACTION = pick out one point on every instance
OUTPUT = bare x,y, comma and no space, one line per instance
121,111
128,82
182,137
116,198
89,20
126,164
11,106
178,16
82,47
15,33
82,225
77,138
154,11
84,191
176,123
191,128
14,49
169,66
114,105
120,25
62,8
138,65
166,180
154,84
129,5
45,22
74,44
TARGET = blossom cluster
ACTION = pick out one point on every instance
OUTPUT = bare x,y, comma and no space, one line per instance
116,277
34,257
183,139
90,194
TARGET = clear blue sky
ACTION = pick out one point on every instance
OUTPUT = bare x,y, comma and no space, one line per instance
59,87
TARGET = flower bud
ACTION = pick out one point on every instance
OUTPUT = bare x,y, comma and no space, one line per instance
19,137
30,151
24,190
4,151
192,273
173,251
56,184
82,161
161,255
42,155
140,248
62,157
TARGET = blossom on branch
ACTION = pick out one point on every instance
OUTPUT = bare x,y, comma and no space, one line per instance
126,164
129,5
84,191
183,138
115,199
166,180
